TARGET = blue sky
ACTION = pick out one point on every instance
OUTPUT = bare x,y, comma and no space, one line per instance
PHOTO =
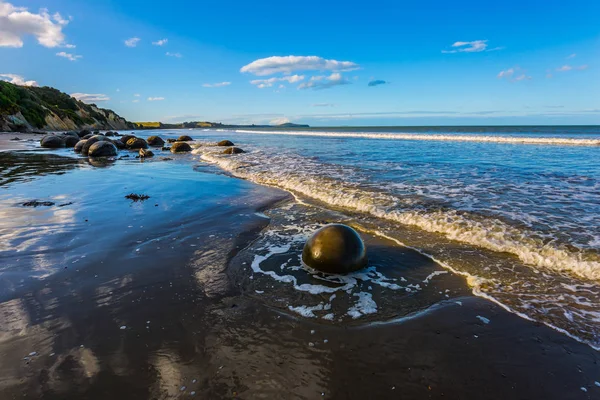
372,63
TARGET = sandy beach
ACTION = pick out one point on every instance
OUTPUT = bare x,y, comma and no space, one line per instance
104,297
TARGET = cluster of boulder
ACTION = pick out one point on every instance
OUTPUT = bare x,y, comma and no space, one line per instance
108,144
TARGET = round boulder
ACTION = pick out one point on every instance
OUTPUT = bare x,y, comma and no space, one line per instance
225,143
89,142
120,145
83,133
52,142
180,147
71,133
136,143
233,150
109,134
185,138
103,148
125,138
335,249
79,146
71,141
155,141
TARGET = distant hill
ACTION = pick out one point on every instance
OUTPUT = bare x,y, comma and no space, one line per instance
44,108
204,124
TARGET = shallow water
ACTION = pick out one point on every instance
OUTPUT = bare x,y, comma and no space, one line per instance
515,211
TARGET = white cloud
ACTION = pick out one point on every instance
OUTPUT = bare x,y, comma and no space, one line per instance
90,98
136,95
219,84
176,55
17,80
475,46
155,98
571,56
324,82
17,22
69,56
322,105
135,101
566,68
511,75
132,42
160,42
267,83
290,64
279,121
69,46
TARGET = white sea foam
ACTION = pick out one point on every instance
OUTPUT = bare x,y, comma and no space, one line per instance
489,233
436,137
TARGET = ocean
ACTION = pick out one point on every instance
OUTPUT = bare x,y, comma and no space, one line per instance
514,210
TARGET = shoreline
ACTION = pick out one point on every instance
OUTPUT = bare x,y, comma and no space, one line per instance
209,331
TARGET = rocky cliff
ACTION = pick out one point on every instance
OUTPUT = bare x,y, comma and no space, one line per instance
26,109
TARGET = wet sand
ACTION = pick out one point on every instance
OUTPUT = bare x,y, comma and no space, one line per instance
108,298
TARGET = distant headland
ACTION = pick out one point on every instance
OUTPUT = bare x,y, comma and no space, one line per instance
207,125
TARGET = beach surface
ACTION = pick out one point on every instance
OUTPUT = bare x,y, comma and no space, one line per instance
183,295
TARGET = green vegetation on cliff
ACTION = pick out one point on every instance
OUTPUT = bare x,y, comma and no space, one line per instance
24,107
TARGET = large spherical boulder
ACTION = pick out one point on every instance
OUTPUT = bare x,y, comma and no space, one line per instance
155,141
180,147
125,138
79,146
71,133
136,143
120,145
225,143
185,138
103,148
109,134
84,132
335,249
233,150
89,142
71,141
52,142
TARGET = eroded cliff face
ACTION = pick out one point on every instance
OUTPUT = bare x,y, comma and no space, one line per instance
111,121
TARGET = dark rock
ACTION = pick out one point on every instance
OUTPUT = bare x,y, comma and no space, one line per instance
155,141
335,249
109,134
120,145
35,203
15,138
125,138
185,138
171,140
71,133
89,142
71,141
52,142
180,147
225,143
137,197
97,133
233,150
136,143
79,146
125,156
166,158
102,148
84,132
88,136
165,148
146,153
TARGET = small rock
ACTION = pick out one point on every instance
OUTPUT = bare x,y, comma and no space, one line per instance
225,143
180,147
83,133
146,153
137,197
35,203
233,150
185,138
155,141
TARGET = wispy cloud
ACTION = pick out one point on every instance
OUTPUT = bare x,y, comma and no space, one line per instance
90,98
156,98
324,82
17,80
377,82
176,55
566,68
279,121
290,64
323,105
512,74
160,42
136,95
135,101
69,56
215,85
17,22
476,46
132,42
267,83
571,56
